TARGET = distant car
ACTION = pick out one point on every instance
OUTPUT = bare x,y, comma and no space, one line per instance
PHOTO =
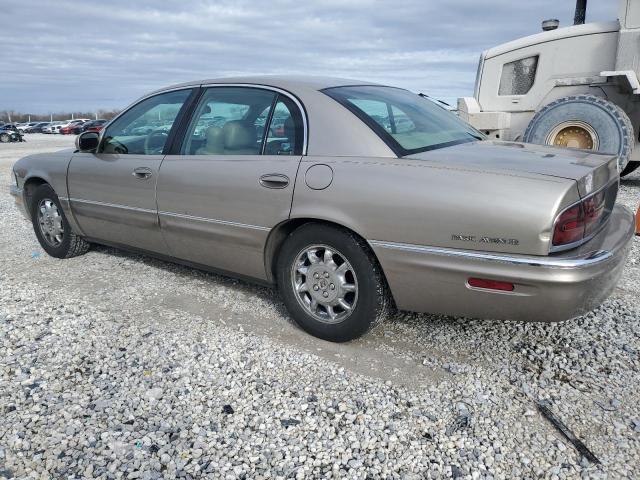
10,133
425,214
72,127
23,127
94,125
53,127
37,128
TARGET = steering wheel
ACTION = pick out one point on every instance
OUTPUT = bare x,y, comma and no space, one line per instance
154,142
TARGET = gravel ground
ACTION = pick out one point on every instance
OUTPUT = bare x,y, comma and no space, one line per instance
115,365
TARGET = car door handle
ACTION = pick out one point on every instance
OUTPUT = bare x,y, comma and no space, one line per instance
142,173
274,180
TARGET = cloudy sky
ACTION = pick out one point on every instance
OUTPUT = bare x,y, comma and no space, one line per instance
78,55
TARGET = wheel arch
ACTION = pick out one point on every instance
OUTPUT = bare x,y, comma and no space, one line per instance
29,186
280,232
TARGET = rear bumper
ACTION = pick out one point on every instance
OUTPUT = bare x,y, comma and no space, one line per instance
548,289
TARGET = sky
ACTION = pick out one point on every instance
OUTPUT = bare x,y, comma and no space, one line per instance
67,55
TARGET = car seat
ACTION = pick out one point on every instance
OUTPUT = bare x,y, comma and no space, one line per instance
239,139
214,142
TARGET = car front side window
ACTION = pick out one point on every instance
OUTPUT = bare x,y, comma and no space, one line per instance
144,128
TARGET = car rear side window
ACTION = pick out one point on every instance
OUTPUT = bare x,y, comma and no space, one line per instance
408,123
286,129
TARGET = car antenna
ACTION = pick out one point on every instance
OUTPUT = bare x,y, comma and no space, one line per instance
424,95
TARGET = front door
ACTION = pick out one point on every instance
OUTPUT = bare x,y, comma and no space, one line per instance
113,191
233,178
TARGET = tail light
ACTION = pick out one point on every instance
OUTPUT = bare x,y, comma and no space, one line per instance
580,220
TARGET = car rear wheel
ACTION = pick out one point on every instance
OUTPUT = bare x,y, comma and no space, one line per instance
51,226
585,122
331,283
5,138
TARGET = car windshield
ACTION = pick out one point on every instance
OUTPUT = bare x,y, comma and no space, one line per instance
407,122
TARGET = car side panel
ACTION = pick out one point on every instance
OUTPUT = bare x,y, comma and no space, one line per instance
423,203
213,209
113,205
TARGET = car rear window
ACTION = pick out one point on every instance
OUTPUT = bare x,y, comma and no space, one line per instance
407,122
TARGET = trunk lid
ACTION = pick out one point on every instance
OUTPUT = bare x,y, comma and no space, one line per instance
590,170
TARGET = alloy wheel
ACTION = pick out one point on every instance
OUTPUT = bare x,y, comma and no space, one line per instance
50,222
324,283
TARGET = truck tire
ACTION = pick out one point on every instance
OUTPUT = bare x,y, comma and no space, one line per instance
584,121
631,167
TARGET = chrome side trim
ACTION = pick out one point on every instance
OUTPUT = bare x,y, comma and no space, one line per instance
290,95
213,220
168,214
112,205
546,262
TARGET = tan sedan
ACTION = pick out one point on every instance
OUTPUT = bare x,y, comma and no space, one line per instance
350,197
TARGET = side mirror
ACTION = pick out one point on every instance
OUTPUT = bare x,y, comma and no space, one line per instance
87,141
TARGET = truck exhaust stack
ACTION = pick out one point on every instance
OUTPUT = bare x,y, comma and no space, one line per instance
581,12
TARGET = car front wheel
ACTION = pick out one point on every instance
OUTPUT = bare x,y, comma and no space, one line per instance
331,283
51,226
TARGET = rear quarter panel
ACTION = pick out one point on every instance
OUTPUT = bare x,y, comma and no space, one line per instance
422,203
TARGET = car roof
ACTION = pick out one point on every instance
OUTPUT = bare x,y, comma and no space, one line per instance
289,82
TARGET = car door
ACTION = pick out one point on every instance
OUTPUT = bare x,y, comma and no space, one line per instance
232,180
113,191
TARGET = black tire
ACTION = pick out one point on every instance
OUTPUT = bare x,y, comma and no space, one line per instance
608,120
630,168
373,302
71,245
5,138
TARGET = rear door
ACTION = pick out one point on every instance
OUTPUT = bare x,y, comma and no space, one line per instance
232,179
112,192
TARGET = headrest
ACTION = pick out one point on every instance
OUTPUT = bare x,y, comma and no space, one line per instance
238,136
215,141
215,135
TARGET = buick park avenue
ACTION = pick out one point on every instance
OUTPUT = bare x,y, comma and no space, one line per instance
350,198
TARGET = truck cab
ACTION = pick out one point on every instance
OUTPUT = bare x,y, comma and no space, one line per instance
574,87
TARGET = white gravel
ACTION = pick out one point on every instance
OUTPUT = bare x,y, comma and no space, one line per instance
114,365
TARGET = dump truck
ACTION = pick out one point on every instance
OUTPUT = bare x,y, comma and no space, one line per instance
574,87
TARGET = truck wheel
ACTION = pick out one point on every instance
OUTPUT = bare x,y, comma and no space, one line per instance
331,283
51,226
583,121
